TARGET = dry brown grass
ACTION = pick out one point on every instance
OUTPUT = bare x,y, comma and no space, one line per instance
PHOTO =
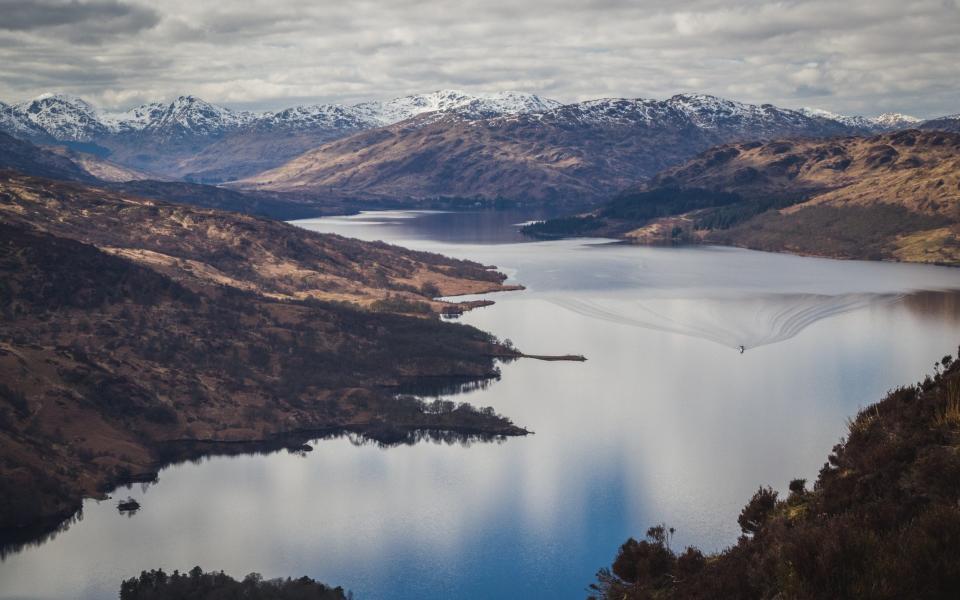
949,414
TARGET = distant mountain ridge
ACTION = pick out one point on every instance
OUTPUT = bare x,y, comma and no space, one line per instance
574,153
70,118
879,124
193,140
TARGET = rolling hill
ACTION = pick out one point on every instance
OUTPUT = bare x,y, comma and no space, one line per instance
894,196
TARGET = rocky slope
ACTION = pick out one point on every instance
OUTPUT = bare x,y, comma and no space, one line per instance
136,332
22,156
892,196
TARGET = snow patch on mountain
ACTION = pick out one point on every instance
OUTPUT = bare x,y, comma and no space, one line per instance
849,120
896,121
318,116
884,122
462,104
63,116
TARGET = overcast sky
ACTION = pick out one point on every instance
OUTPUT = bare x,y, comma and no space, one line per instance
851,56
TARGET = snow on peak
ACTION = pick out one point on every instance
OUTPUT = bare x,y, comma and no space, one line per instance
895,121
848,120
189,114
460,103
326,116
135,119
63,116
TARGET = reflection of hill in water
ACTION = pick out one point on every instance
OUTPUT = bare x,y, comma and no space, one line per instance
752,321
943,307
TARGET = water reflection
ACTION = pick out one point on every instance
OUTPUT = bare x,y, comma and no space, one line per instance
664,422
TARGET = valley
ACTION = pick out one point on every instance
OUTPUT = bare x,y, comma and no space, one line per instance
163,327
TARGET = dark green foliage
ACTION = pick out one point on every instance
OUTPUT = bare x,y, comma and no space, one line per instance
756,512
398,304
714,209
883,519
727,216
197,585
59,277
430,290
647,568
161,414
15,398
563,226
664,202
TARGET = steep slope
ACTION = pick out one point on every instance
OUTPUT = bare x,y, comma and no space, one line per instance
27,158
576,153
64,118
17,125
136,332
892,196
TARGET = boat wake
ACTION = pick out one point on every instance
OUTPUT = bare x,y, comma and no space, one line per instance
731,322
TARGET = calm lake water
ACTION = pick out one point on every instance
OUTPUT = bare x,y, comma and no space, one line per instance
666,421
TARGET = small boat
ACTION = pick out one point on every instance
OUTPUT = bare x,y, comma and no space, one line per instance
128,505
741,349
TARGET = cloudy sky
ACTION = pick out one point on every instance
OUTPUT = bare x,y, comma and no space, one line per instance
852,56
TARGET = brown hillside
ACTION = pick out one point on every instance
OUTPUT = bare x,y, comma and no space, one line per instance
134,332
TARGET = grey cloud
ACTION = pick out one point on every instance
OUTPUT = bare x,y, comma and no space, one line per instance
27,15
864,56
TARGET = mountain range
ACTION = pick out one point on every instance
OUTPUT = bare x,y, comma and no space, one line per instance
507,145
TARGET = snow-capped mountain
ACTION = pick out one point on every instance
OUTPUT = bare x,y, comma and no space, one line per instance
68,118
572,153
136,119
702,113
462,104
851,121
194,139
189,115
891,121
323,116
13,123
884,122
63,117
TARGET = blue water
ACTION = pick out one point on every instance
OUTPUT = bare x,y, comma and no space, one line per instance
666,421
